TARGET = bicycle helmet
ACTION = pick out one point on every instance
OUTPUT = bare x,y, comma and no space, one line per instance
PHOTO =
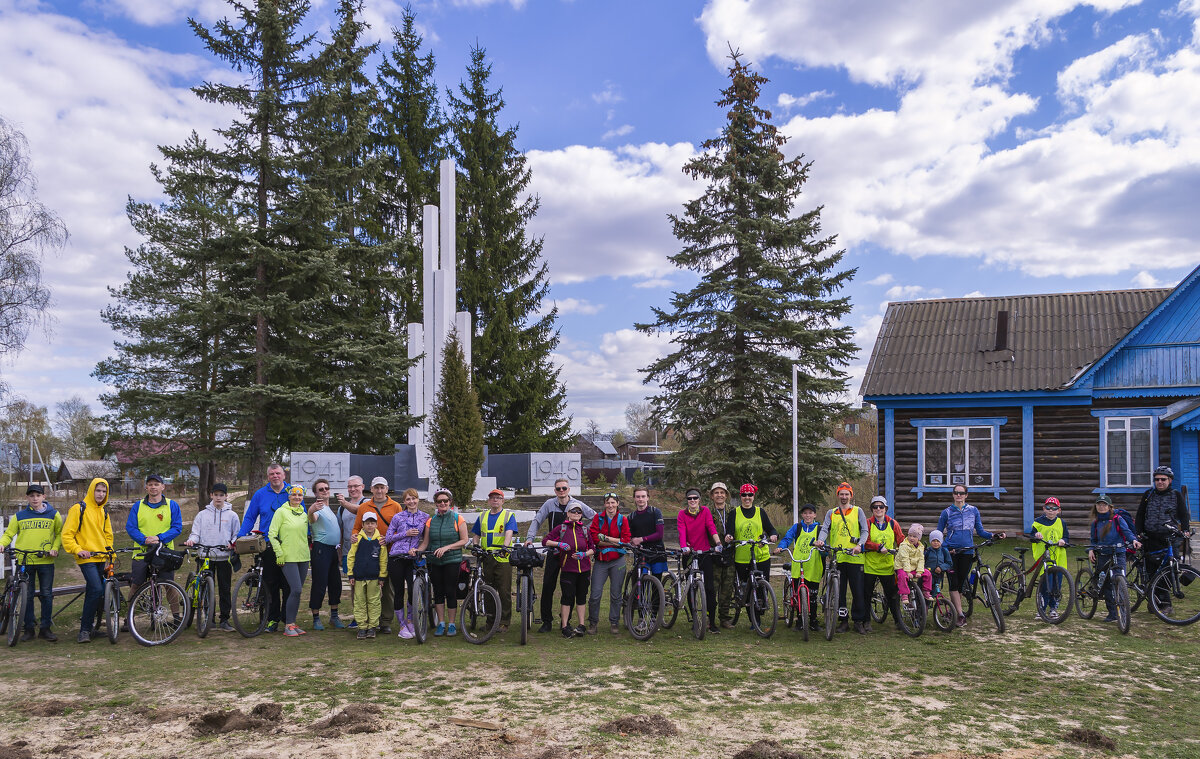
748,489
1168,471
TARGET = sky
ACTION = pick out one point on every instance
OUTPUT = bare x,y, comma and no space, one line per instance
958,148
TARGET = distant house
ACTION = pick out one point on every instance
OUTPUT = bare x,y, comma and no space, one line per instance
170,458
1024,397
78,471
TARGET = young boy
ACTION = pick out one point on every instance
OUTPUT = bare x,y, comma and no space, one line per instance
937,559
368,571
910,562
1053,530
37,527
802,535
217,525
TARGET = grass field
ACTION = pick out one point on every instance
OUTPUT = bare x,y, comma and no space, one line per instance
970,693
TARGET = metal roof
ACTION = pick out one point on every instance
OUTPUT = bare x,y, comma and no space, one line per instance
605,446
949,345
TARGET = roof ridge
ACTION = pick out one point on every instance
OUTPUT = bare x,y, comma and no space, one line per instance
976,298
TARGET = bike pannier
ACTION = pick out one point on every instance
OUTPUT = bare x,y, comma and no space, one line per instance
523,557
166,560
250,544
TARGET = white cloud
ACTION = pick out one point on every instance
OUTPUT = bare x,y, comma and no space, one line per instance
620,131
975,294
654,283
160,12
910,292
1146,279
609,95
788,102
602,380
882,279
572,306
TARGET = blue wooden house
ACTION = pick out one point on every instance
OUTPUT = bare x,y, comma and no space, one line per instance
1024,397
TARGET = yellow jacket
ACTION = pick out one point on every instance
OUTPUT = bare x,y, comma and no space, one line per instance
92,532
910,558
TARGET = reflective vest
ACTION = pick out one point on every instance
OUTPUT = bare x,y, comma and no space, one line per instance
153,520
493,537
843,533
813,566
881,563
749,528
1052,534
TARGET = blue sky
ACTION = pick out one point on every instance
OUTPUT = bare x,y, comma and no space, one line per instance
959,148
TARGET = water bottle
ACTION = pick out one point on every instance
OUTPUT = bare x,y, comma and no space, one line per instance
974,577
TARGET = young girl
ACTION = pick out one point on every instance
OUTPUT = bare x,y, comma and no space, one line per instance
1109,529
910,562
800,537
571,538
937,559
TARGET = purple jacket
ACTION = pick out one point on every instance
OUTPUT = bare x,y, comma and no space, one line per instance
574,534
398,543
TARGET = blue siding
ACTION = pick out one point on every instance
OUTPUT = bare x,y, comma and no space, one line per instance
1152,366
1179,322
1185,460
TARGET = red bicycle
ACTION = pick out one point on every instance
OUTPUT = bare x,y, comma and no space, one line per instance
797,597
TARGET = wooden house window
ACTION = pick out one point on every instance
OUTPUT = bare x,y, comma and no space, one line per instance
1128,451
958,456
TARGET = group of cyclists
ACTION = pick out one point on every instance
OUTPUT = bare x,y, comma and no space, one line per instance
385,549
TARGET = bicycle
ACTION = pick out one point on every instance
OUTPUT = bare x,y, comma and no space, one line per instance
693,598
643,600
1050,605
482,604
113,599
831,582
797,596
16,593
1010,581
1136,577
526,560
944,617
157,608
250,600
201,588
422,603
979,575
1090,587
912,614
1169,582
755,595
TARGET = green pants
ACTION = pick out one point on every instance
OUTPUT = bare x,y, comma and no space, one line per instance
366,603
723,579
498,574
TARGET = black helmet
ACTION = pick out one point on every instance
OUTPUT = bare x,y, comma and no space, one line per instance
1168,471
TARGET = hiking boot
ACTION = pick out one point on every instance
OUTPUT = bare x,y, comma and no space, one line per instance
27,635
362,635
83,637
317,624
568,632
593,628
545,628
867,627
48,635
843,627
386,629
860,628
225,626
614,628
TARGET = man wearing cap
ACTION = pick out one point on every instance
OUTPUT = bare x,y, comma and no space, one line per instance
384,508
37,527
217,525
749,522
495,529
723,571
845,527
553,513
609,529
347,512
154,522
263,504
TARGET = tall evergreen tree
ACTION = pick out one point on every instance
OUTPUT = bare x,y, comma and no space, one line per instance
456,429
502,278
766,299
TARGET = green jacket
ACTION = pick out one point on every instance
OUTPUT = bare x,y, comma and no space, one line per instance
35,532
289,534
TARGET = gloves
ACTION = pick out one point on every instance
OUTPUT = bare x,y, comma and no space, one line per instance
717,548
565,546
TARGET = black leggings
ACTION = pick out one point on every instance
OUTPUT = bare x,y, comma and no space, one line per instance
890,590
962,568
444,578
574,588
400,572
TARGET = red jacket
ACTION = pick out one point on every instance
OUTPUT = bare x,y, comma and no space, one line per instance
873,546
617,527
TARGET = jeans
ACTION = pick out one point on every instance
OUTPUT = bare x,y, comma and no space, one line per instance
1053,590
1105,563
326,577
93,594
614,572
44,575
294,573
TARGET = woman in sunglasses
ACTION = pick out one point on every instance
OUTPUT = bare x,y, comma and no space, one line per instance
609,529
445,535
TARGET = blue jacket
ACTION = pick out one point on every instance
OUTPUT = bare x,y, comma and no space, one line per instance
131,524
960,527
262,508
938,557
794,532
1119,532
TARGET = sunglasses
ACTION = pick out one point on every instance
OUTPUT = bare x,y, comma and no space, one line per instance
322,490
1049,507
693,498
1162,479
959,492
442,500
879,508
613,496
561,490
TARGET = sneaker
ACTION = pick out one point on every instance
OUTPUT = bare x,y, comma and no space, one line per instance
714,630
440,630
962,620
371,632
27,635
593,628
317,624
272,626
843,627
353,625
292,631
581,630
726,624
385,629
614,628
225,627
336,622
1110,618
451,630
362,635
48,635
928,597
83,637
568,632
406,632
545,628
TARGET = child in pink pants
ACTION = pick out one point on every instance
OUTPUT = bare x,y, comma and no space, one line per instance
910,562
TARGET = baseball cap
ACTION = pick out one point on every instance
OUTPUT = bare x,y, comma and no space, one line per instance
34,489
495,491
575,506
155,478
808,507
879,499
219,487
370,517
1103,498
379,481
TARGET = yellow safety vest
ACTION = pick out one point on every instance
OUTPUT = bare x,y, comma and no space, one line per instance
813,566
493,537
881,563
843,533
1052,533
749,528
153,520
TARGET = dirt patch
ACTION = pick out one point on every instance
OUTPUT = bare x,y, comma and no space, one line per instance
641,724
50,708
163,713
1090,738
15,751
214,723
354,719
767,750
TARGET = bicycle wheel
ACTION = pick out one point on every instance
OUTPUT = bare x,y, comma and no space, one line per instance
644,607
1010,585
831,604
912,615
943,614
1052,606
420,610
526,606
112,610
205,590
1137,587
1173,599
672,599
1121,601
250,605
481,614
762,609
879,605
803,598
156,612
991,599
697,608
19,595
193,592
968,597
6,611
1086,593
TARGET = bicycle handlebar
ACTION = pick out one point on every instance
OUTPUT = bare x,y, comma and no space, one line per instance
38,553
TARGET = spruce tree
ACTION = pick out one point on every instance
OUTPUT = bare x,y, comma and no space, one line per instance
767,298
502,278
456,429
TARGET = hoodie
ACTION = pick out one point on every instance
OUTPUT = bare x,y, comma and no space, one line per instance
87,526
213,527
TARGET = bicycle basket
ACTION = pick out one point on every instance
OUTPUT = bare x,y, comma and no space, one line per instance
166,560
522,557
250,544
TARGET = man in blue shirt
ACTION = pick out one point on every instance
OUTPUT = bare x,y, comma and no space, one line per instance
495,529
262,508
153,521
